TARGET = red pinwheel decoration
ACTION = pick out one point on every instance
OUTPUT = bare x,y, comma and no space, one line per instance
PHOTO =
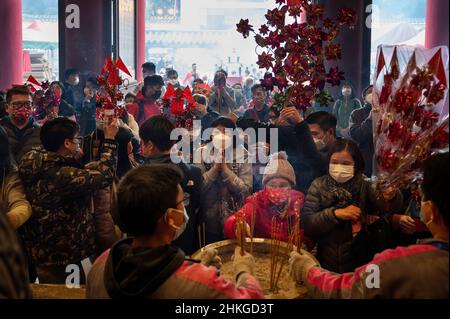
110,96
46,99
179,106
406,113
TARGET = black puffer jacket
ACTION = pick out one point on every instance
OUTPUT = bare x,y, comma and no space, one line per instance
22,141
334,236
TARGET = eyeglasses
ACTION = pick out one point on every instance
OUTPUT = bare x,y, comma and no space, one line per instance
77,140
186,200
21,104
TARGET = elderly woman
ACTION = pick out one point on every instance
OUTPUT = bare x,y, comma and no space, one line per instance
276,200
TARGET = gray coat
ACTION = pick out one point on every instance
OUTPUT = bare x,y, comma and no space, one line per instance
220,192
334,236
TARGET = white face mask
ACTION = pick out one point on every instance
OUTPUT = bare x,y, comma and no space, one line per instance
368,99
77,81
320,144
346,92
180,229
341,173
222,141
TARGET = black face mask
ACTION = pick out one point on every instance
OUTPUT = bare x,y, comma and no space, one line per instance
156,95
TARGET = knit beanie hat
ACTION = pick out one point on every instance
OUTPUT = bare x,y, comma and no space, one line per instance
279,167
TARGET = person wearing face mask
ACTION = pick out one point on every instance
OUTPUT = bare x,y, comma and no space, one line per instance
22,130
156,149
172,78
343,107
322,126
151,208
61,229
260,110
276,199
241,101
148,105
341,204
222,99
148,69
360,129
69,98
86,110
417,271
227,177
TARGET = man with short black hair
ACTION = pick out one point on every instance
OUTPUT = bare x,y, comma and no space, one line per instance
323,129
23,131
61,230
156,149
151,208
418,271
148,69
260,110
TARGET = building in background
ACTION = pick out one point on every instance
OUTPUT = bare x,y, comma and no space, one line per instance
182,32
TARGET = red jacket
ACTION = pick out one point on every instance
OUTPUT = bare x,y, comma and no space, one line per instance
417,271
259,205
189,281
151,108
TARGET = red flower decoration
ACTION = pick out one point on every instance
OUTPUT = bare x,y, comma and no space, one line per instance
282,83
436,93
347,16
396,132
265,60
268,82
264,29
333,52
244,27
429,118
314,12
440,138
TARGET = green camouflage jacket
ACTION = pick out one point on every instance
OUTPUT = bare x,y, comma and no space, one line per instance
61,228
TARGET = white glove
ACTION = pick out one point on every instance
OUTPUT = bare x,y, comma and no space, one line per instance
210,257
242,264
299,266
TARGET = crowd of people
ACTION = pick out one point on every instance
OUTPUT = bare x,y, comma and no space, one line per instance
106,196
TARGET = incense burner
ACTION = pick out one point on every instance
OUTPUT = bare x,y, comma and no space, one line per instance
286,287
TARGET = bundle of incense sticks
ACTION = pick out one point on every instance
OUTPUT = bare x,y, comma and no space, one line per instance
201,236
252,223
277,258
241,225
